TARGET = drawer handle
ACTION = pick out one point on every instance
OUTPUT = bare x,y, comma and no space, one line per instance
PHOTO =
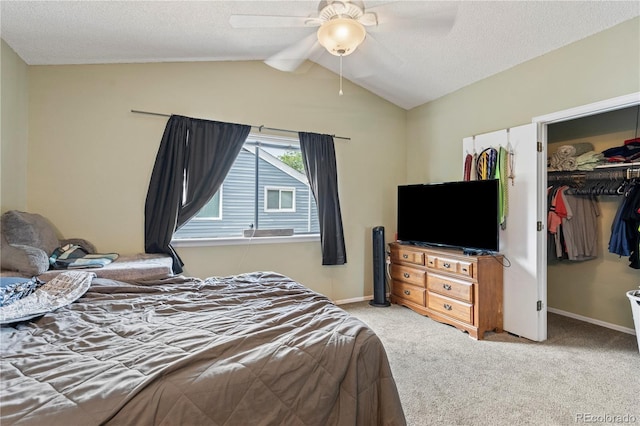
446,265
446,286
465,270
405,256
406,275
407,292
447,306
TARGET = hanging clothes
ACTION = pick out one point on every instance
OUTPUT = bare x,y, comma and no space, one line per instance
580,231
486,164
468,163
572,224
474,162
492,163
502,175
625,229
619,241
558,210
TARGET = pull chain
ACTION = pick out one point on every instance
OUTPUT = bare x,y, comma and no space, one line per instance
340,92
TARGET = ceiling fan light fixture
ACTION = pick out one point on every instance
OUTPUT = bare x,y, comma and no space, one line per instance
341,36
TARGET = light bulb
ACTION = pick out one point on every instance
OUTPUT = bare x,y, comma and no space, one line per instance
341,36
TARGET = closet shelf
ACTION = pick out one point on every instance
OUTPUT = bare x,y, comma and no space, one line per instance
606,171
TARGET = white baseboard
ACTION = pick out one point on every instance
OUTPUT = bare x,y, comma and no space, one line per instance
593,321
356,299
353,300
552,310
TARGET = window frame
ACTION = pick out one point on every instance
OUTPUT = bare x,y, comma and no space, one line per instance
280,190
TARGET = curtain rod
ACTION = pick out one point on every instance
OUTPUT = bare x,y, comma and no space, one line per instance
260,128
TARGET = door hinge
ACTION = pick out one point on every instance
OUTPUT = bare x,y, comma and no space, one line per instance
539,148
539,305
539,226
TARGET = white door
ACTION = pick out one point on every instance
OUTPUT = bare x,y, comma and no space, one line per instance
521,242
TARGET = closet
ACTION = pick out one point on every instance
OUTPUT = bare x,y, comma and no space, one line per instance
594,289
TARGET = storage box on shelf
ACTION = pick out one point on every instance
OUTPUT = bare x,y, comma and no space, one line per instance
448,286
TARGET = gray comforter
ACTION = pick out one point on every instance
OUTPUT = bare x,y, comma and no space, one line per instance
252,349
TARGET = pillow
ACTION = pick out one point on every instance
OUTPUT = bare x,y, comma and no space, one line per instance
88,246
27,260
29,229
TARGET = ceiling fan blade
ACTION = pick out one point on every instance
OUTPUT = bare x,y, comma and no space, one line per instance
290,58
272,21
434,19
371,56
368,19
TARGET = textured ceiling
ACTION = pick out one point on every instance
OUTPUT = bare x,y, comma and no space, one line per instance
409,59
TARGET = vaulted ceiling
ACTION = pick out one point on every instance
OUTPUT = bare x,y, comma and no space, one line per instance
417,52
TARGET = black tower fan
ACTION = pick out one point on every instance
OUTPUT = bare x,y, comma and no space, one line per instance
379,288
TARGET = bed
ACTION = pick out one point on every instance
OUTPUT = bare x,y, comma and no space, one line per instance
257,348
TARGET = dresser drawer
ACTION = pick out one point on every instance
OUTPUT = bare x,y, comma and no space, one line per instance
450,287
408,256
451,307
409,292
466,268
409,275
454,266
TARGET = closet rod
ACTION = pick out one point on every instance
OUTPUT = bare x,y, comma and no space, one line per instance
260,128
565,175
633,173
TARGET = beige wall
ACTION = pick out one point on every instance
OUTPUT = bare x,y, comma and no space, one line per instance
600,67
13,130
90,158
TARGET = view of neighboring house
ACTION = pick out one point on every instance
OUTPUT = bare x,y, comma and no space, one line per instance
275,197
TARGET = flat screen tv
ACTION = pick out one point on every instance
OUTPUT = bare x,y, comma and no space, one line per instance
452,214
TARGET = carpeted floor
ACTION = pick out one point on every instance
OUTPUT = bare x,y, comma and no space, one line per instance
583,373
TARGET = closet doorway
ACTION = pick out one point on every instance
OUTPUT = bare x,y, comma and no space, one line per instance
524,240
591,290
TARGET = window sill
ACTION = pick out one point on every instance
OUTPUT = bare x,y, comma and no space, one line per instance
234,241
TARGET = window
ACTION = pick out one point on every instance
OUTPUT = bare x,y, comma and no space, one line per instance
212,211
280,199
266,189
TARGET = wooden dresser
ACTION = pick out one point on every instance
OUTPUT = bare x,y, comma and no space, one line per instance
449,286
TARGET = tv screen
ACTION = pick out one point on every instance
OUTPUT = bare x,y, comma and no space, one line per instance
452,214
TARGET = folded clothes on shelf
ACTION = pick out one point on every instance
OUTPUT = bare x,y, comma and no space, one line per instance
629,151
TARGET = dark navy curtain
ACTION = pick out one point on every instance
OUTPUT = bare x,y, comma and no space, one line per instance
193,159
319,157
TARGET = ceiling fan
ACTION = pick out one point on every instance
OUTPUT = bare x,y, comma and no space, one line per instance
341,30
